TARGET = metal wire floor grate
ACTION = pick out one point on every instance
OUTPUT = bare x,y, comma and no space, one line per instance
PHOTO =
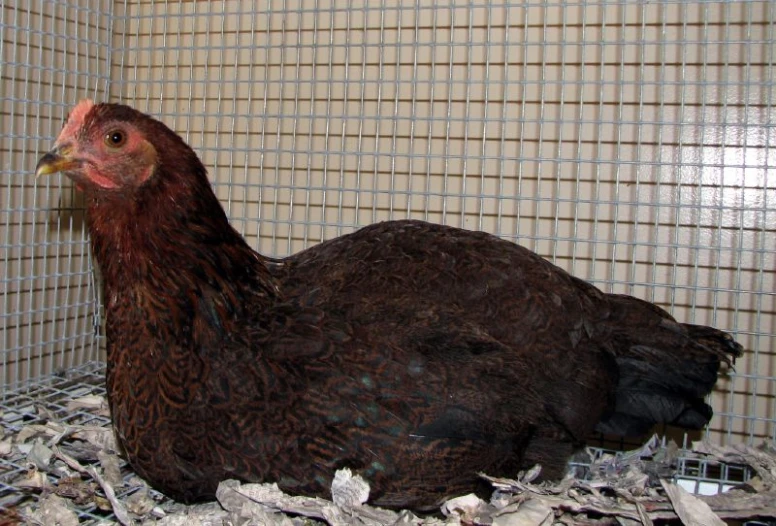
52,400
38,403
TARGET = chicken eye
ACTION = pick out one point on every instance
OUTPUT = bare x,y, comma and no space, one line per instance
115,138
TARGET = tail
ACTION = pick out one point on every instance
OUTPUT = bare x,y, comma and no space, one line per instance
666,368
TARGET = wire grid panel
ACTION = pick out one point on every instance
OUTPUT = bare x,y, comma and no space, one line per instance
629,142
37,404
632,143
51,53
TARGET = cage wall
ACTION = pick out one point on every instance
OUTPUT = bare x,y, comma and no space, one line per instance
632,143
51,54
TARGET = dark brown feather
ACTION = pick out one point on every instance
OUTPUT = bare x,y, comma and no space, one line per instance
416,354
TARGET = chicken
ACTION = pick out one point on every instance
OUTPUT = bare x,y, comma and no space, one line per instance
415,354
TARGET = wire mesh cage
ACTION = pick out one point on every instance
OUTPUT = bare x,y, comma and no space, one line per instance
631,143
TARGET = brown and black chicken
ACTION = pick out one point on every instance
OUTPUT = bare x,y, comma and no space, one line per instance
417,355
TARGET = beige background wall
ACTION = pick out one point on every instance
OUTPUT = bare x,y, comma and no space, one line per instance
632,143
50,55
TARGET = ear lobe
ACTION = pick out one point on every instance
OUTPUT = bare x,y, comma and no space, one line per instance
99,179
148,159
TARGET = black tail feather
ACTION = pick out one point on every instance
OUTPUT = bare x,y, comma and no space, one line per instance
666,369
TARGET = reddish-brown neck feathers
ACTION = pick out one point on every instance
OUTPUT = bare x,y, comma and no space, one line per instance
170,224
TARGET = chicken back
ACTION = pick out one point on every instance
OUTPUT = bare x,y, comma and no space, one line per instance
417,355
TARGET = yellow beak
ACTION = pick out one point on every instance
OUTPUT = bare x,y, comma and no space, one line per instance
57,160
